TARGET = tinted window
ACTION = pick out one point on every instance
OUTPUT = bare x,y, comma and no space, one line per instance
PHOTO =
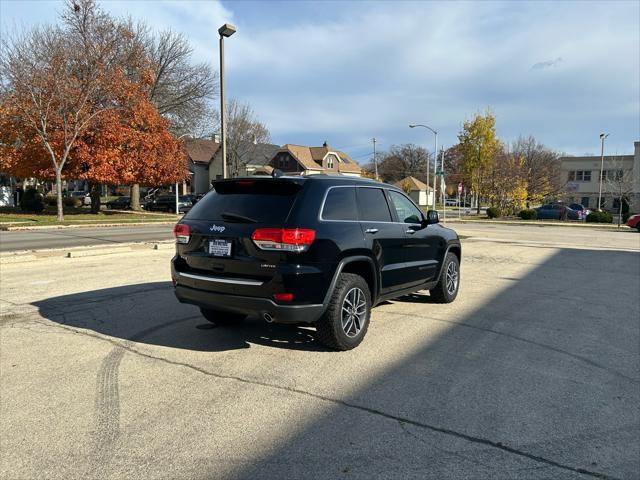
340,204
406,210
265,201
373,205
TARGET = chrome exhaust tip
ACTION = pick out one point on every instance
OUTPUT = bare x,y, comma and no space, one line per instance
268,318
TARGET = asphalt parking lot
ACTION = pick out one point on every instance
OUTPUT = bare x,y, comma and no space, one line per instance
532,373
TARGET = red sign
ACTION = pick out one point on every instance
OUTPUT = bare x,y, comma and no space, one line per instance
460,187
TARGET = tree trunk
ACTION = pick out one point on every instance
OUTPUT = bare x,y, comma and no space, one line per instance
94,190
59,195
135,197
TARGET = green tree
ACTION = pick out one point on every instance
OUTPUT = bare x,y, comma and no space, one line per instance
478,147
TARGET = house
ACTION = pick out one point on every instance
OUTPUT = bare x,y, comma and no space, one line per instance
420,193
302,160
205,161
620,174
201,152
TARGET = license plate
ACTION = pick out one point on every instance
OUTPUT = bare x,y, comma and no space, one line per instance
219,248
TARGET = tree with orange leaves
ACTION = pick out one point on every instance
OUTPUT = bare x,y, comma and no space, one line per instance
74,102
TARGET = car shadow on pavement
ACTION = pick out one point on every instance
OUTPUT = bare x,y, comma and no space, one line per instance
149,313
538,380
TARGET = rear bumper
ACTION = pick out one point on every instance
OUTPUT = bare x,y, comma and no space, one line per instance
251,306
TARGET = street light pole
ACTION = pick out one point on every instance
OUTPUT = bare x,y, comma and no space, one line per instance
375,159
602,137
435,162
225,30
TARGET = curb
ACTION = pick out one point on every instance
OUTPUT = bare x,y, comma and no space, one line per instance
535,223
83,225
79,252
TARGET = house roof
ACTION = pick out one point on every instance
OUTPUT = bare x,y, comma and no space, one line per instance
311,157
201,150
414,183
262,153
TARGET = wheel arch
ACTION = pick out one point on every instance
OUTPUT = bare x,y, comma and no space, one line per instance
360,265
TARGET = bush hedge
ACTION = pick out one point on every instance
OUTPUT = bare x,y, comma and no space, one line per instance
493,212
50,200
599,217
528,214
72,202
31,201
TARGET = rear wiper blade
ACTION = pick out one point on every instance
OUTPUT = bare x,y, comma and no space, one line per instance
234,217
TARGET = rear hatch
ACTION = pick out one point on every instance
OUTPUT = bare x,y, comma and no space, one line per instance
221,226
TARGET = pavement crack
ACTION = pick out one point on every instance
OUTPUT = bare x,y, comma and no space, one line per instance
343,403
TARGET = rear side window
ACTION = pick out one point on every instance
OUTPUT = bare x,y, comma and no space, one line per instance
372,205
260,201
340,204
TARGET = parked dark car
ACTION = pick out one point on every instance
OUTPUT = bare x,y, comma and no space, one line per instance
556,211
123,203
581,209
318,250
167,203
119,203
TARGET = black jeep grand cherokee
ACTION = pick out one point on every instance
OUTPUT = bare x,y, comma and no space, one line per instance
315,249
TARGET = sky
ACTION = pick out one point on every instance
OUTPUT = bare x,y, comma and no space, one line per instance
345,72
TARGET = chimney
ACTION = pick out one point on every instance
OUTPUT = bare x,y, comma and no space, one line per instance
325,144
216,138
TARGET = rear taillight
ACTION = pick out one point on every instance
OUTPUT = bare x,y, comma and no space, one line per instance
283,297
182,232
284,239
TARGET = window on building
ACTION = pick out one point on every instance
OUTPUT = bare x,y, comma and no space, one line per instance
612,175
580,175
331,161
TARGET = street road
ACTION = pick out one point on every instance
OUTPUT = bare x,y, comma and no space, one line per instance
532,373
85,236
74,237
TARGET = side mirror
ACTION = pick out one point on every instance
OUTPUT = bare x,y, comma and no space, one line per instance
432,217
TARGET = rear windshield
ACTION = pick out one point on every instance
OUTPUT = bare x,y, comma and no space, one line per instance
264,201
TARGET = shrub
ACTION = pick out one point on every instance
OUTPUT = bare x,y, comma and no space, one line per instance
493,212
626,216
599,217
528,214
50,200
31,201
72,202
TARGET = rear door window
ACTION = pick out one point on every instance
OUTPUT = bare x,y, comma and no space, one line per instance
372,205
340,204
253,201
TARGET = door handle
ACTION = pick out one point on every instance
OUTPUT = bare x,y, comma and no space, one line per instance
371,230
411,231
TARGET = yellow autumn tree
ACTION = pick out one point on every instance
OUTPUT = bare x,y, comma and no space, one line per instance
479,145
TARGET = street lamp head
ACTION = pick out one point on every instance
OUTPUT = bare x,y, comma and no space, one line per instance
227,30
604,135
412,126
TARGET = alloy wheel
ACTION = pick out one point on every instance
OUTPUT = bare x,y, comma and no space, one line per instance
354,312
452,278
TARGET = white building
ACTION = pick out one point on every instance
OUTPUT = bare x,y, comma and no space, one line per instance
621,174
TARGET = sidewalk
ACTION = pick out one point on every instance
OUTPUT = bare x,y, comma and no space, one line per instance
534,223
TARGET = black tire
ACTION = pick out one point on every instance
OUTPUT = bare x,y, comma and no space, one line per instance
441,293
329,328
222,318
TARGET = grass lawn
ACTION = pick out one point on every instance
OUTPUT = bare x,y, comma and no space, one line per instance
13,217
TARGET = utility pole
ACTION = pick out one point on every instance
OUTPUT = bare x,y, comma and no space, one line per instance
602,137
375,158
